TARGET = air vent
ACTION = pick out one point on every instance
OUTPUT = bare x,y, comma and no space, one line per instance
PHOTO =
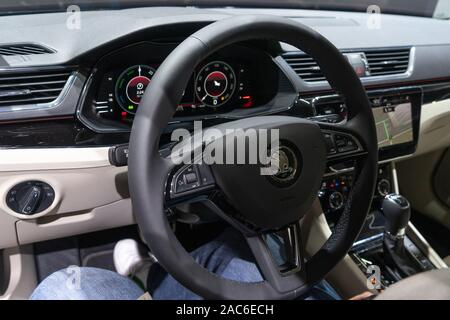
23,49
305,67
31,87
380,62
387,62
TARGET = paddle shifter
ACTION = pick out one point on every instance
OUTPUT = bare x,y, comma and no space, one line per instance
397,212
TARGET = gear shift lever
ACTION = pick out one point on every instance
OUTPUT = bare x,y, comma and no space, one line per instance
397,212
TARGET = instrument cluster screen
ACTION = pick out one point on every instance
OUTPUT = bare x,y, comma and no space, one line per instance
214,86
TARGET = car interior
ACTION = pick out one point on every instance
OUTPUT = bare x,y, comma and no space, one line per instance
91,94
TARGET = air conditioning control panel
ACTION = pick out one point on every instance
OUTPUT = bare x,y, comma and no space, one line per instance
336,188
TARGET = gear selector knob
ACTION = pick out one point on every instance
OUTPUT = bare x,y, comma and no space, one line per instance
397,211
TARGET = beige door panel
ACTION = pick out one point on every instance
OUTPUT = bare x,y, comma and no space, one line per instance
90,194
415,183
434,127
415,174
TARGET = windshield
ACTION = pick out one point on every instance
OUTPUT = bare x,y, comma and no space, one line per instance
432,8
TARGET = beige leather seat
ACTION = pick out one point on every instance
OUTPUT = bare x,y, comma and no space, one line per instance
430,285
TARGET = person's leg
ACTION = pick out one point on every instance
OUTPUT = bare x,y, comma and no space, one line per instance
321,291
229,257
84,283
224,256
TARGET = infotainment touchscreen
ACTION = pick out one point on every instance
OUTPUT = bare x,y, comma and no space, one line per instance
394,124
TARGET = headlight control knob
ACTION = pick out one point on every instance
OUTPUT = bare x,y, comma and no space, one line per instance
30,197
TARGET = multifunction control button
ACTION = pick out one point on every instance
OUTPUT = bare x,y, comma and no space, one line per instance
339,143
190,179
331,147
345,143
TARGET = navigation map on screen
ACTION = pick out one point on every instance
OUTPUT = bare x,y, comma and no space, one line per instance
394,124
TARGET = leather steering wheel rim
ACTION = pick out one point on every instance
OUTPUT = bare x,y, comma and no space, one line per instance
148,169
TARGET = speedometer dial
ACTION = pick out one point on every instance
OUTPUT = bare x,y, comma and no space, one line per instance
131,85
215,84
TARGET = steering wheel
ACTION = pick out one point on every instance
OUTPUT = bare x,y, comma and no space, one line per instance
260,207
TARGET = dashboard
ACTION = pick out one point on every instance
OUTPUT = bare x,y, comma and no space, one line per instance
229,83
114,56
84,92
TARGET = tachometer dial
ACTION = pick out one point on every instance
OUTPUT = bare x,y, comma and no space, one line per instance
215,84
131,85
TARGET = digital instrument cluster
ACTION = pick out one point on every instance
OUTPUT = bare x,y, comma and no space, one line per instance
236,81
215,86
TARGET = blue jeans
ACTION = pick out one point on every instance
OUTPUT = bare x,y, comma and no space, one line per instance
227,256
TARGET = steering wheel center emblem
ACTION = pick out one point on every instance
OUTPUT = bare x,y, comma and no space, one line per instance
288,166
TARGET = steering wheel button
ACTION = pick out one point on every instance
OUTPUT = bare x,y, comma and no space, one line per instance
341,143
190,178
186,179
179,183
189,169
206,176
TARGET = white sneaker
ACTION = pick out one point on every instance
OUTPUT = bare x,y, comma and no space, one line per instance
129,257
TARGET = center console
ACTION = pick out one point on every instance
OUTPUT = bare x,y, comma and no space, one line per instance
395,256
378,250
336,187
369,250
